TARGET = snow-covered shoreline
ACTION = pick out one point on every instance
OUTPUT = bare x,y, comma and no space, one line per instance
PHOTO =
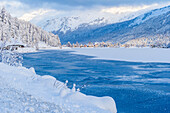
48,89
159,55
33,50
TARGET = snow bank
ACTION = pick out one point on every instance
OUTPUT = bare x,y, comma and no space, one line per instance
47,88
26,50
127,54
53,48
32,50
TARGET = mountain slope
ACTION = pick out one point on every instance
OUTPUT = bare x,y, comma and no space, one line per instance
65,23
62,25
25,32
153,23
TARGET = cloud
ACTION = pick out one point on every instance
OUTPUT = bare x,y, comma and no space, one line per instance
91,3
11,3
29,16
16,8
127,9
25,7
38,13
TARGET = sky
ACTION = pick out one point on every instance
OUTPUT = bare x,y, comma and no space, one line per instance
18,8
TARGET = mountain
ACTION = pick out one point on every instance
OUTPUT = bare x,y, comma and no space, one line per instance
150,24
25,32
64,24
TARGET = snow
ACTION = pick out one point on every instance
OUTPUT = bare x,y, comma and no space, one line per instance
63,21
52,21
16,31
150,14
22,90
41,46
26,50
127,54
54,48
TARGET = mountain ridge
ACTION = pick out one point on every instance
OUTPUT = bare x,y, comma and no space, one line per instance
124,31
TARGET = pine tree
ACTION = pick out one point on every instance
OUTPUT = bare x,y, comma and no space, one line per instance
24,31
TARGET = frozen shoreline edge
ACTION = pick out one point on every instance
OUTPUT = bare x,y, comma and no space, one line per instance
143,55
159,58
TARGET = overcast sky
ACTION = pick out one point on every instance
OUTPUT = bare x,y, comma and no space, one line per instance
20,7
89,3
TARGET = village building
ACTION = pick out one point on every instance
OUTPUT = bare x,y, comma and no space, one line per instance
69,44
13,47
85,45
81,46
77,44
90,44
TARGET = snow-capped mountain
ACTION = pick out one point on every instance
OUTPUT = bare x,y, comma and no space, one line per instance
65,24
147,16
25,32
61,24
86,26
150,24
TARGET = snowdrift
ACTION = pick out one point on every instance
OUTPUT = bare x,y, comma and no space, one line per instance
47,89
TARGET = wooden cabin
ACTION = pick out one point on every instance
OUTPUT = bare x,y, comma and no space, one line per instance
14,47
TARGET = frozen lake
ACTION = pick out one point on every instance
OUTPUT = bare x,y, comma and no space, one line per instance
135,87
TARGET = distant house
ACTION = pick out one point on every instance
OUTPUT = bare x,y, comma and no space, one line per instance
81,46
96,45
14,47
90,44
77,44
85,45
69,44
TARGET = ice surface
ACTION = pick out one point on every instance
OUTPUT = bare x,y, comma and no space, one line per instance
127,54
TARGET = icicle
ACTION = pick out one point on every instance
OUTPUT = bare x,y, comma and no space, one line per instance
66,82
78,89
74,88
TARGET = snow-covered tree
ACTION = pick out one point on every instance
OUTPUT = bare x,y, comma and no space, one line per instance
10,57
29,34
160,41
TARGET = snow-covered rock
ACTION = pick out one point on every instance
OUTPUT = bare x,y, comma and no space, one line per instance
24,32
22,90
